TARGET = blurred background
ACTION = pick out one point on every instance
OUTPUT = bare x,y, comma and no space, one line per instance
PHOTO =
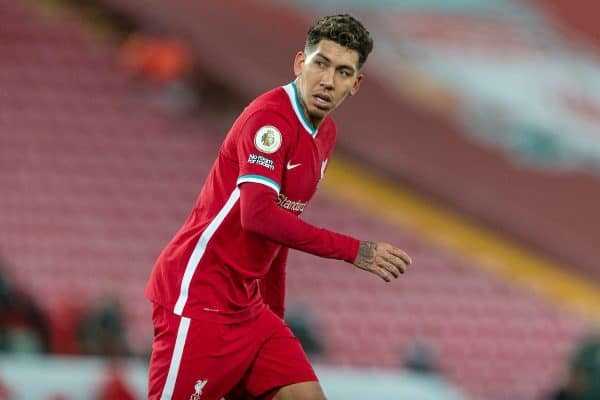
473,144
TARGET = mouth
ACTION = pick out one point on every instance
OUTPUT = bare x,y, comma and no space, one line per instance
322,100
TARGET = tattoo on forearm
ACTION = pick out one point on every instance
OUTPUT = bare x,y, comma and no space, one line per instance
366,254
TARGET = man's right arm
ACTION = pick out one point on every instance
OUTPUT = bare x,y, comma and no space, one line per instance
261,215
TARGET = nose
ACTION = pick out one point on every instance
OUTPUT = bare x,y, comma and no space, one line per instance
327,78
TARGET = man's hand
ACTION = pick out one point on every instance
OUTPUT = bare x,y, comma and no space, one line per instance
382,259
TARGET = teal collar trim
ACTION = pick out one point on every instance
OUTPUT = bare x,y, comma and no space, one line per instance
294,96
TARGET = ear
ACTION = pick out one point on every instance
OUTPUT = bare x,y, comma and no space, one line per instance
356,86
299,62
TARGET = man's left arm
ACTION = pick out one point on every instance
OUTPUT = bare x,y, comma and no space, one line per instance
272,286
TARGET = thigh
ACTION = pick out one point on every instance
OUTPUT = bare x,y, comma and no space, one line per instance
301,391
195,359
280,362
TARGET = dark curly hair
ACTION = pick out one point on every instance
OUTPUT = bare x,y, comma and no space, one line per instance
344,30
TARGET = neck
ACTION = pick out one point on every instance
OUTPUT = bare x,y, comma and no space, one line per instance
315,121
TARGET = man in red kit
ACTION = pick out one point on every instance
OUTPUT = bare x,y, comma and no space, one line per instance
218,287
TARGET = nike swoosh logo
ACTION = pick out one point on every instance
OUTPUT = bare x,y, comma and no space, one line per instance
292,166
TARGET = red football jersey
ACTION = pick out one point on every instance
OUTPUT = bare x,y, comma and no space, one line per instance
211,268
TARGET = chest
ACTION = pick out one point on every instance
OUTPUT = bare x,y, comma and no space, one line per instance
304,168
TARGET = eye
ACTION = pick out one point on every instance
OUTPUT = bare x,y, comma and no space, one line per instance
345,73
320,64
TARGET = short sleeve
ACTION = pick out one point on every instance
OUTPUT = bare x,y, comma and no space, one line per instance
262,149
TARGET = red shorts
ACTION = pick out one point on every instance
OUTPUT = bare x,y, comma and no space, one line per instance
200,360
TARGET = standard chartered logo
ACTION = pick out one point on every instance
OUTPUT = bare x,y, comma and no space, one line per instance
284,202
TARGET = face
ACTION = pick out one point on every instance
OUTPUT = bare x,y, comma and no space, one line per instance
325,76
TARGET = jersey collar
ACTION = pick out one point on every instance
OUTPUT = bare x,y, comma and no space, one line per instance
294,96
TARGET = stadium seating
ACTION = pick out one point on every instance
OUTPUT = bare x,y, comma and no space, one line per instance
495,339
92,177
95,181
